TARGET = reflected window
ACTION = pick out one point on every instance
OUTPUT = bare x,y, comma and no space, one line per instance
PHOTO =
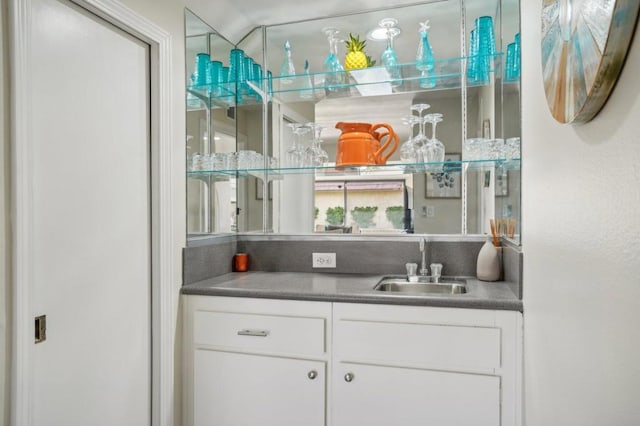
362,206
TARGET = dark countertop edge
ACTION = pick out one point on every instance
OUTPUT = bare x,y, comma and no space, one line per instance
445,302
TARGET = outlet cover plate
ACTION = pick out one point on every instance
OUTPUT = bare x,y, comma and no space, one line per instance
324,260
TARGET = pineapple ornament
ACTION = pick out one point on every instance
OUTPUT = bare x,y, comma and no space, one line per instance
356,58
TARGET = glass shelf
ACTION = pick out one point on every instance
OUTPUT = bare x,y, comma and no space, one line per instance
373,81
332,170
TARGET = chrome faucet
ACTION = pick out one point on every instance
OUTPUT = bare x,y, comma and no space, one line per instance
423,252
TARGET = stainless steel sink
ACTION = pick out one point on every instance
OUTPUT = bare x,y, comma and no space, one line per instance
400,285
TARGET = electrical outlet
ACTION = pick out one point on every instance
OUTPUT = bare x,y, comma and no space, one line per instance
431,211
324,260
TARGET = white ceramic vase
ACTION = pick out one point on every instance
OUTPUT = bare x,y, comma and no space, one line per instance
489,266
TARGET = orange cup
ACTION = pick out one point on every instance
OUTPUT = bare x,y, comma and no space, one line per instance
241,262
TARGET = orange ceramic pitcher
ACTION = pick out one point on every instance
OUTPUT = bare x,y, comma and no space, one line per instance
360,144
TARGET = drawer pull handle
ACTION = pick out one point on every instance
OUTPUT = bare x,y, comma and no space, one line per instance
257,333
312,374
348,377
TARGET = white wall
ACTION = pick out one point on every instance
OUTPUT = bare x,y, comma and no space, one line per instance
581,197
5,260
169,15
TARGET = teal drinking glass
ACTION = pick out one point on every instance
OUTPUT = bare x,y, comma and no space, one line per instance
509,68
257,78
486,35
237,72
269,83
226,87
202,74
215,68
485,48
472,56
247,65
516,57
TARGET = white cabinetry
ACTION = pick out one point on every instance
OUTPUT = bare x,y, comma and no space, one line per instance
255,362
425,366
241,389
276,362
382,395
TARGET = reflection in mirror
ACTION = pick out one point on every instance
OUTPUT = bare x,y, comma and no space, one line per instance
293,193
508,184
253,198
369,205
430,207
211,200
453,198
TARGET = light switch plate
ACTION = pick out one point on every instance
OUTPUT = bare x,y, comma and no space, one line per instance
324,260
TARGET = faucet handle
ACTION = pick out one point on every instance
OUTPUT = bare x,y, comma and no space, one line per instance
436,271
412,269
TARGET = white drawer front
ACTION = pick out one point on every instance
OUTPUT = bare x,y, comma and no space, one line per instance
438,346
268,333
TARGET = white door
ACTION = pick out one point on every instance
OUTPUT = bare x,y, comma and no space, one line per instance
91,220
233,389
383,396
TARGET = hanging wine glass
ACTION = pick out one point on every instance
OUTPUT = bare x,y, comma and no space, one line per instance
434,149
420,140
335,77
424,58
408,152
292,153
389,58
305,154
419,108
319,155
287,70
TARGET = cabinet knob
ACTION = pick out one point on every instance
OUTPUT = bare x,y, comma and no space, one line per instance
348,377
312,374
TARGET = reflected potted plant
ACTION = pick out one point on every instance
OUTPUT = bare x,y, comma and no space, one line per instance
335,215
395,215
363,216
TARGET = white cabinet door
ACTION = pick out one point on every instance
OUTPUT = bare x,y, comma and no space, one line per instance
234,389
377,395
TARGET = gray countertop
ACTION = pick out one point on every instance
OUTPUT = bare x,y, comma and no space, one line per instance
351,288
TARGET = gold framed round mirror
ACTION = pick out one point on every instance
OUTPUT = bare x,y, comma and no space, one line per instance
584,45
